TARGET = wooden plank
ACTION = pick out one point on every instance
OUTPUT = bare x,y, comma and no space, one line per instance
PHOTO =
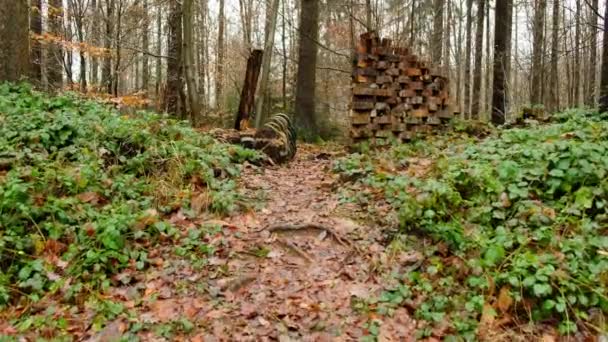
393,58
411,72
420,113
363,105
384,92
362,132
392,72
417,85
433,120
369,71
364,79
381,106
385,133
363,91
359,118
382,65
384,79
407,93
383,120
399,127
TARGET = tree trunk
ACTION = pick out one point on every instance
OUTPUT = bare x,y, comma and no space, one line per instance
159,49
554,82
254,63
94,64
537,50
36,48
437,40
307,65
577,54
174,65
478,60
368,15
502,37
188,57
106,69
604,80
260,116
145,42
593,55
284,39
219,71
14,45
467,61
55,53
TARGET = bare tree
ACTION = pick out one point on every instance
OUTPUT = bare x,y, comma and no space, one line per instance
219,71
437,41
14,45
36,48
467,60
478,60
174,63
307,65
55,53
604,80
502,37
266,60
537,51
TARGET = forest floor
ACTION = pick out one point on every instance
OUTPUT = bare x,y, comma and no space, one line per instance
288,269
137,227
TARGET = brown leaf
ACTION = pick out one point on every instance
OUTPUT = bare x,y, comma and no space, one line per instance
89,197
488,315
164,310
504,299
199,203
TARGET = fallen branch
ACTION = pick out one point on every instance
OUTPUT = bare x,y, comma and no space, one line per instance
296,250
291,227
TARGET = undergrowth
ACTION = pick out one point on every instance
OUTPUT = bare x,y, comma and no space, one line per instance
514,228
84,191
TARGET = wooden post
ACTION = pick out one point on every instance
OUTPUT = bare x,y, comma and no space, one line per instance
254,64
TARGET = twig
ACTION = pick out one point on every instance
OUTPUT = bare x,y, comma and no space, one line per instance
291,227
296,250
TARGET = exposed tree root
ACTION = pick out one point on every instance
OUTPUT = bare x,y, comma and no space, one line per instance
295,227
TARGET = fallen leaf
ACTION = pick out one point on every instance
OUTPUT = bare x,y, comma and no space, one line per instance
504,299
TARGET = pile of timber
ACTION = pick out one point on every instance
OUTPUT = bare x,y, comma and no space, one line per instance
394,95
277,138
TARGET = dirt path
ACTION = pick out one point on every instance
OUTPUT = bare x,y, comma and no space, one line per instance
265,280
299,283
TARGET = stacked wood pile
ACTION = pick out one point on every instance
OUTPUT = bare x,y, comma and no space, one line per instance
394,94
277,138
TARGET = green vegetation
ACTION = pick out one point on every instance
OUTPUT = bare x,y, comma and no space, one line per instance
514,227
84,191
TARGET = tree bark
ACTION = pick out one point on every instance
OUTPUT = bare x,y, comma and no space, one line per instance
36,48
467,60
593,55
478,60
14,44
368,15
502,37
577,54
55,52
159,48
604,81
260,115
174,63
106,69
188,20
254,63
219,71
305,110
145,42
537,51
437,41
554,82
